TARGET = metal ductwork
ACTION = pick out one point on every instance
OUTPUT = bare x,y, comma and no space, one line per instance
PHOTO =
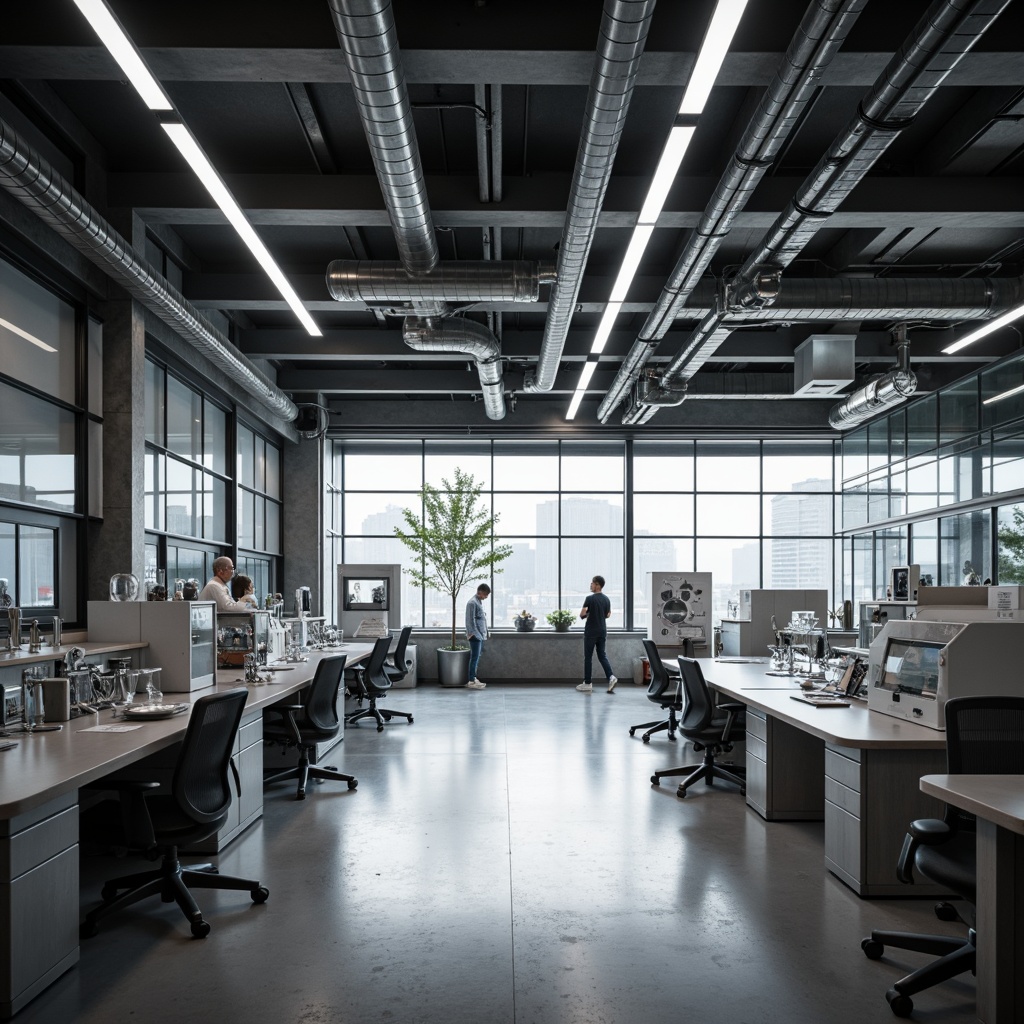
31,180
940,40
621,40
889,390
467,336
822,31
455,281
367,36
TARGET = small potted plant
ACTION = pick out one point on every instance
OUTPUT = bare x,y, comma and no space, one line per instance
525,621
561,619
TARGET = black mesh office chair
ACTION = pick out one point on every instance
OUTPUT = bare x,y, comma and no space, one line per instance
372,684
194,810
984,736
307,724
712,727
396,666
663,691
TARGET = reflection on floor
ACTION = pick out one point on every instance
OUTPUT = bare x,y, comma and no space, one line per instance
505,859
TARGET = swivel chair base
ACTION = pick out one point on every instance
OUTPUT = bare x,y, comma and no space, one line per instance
304,771
955,957
171,882
670,724
707,770
378,715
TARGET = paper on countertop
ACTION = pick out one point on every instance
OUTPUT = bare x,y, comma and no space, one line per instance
111,728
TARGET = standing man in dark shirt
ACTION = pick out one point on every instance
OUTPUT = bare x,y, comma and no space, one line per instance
596,610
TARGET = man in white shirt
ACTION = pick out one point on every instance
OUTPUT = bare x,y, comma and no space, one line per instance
217,589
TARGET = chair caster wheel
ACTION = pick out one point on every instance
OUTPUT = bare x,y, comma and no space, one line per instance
655,781
301,795
200,929
946,912
353,784
646,737
873,949
632,732
380,728
87,929
260,895
410,719
681,793
901,1005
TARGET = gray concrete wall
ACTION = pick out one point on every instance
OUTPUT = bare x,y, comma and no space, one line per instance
537,657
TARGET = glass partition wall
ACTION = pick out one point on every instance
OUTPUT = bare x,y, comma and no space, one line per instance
753,513
940,483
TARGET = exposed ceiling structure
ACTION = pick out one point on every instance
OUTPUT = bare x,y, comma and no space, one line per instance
850,203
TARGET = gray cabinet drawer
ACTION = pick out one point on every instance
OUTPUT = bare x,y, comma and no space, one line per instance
840,795
842,769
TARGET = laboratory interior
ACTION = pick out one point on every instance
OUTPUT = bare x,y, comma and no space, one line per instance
512,512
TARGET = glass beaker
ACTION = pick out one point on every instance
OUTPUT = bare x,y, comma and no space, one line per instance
124,586
148,680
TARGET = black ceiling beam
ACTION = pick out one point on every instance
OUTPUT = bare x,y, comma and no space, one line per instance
460,67
299,200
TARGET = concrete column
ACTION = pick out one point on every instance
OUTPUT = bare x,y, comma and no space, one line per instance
117,544
303,465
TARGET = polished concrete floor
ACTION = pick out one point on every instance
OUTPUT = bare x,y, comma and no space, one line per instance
505,859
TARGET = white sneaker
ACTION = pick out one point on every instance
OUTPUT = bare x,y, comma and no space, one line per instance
612,680
475,684
586,687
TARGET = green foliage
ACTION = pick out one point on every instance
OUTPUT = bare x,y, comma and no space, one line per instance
1011,549
453,540
561,617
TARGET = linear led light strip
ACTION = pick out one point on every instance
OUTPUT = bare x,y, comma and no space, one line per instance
986,329
14,329
717,41
123,50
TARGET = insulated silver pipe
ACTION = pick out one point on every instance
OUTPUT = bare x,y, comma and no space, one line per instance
426,334
366,33
452,281
888,390
34,183
822,31
942,37
621,40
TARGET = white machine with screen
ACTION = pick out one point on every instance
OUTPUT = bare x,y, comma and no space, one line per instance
916,666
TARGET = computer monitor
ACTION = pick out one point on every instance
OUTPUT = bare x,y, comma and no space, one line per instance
365,594
911,667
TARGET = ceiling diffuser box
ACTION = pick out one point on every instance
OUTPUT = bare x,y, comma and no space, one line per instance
823,364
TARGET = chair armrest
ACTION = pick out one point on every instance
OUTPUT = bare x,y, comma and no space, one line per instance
923,832
288,712
136,823
732,712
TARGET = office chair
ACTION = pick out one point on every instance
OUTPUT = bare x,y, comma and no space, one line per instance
372,684
158,823
663,691
984,736
307,724
395,665
712,728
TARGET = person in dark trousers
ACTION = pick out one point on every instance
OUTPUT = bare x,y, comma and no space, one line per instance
476,632
597,609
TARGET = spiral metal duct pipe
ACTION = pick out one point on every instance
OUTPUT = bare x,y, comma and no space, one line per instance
367,36
454,281
32,181
822,31
623,33
426,334
943,36
888,390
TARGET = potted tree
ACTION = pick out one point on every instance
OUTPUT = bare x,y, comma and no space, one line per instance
454,545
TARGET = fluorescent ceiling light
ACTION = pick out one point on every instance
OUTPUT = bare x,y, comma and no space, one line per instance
574,405
985,329
24,334
713,50
631,261
1005,394
581,388
122,49
197,160
611,311
664,177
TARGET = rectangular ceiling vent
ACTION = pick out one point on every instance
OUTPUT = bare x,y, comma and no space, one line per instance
823,365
